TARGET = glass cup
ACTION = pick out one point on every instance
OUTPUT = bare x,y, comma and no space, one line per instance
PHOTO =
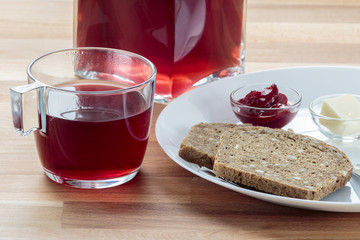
90,110
191,42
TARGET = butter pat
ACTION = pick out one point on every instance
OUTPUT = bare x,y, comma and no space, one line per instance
341,107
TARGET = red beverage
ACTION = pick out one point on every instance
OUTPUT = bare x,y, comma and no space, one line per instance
187,40
101,140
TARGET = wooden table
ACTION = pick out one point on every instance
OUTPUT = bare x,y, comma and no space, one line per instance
164,201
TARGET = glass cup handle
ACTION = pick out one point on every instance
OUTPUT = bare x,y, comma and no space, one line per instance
26,117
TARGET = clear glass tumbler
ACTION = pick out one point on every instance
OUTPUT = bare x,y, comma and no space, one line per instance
90,110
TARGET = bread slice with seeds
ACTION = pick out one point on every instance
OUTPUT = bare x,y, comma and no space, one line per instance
200,145
281,162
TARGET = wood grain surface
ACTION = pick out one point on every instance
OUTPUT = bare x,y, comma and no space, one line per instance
164,201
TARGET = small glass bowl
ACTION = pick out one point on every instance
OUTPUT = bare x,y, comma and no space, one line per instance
267,117
335,128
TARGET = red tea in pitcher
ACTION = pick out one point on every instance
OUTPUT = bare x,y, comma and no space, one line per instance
187,40
98,142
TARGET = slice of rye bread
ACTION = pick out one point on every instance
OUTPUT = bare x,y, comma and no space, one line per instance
200,145
281,162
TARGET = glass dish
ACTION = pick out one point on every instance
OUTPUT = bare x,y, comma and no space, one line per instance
274,117
335,128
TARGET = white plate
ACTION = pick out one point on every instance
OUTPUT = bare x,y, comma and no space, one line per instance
210,103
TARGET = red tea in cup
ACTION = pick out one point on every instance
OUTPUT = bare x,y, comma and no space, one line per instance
95,143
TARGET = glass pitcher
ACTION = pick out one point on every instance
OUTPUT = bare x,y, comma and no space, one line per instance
191,42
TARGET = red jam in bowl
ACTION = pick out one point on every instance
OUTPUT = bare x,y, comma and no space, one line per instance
265,107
